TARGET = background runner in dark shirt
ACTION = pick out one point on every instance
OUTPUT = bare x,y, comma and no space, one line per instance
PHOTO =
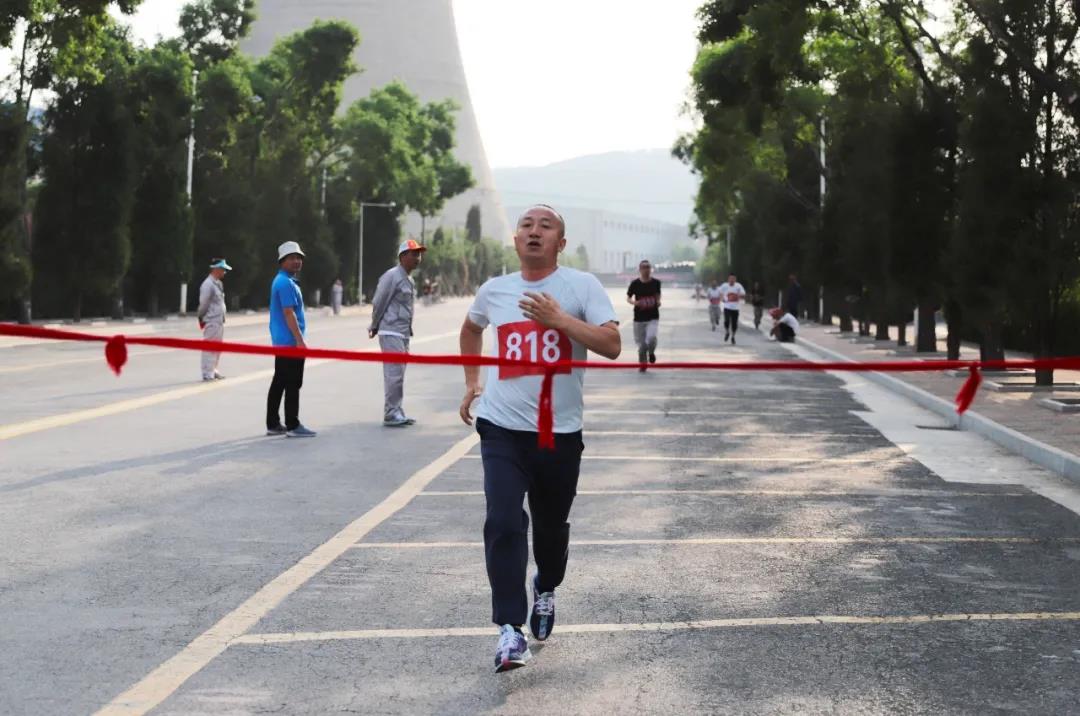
646,293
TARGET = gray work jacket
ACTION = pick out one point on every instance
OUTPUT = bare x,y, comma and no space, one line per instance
212,301
392,306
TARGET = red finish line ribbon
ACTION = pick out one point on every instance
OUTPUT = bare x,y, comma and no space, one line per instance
116,355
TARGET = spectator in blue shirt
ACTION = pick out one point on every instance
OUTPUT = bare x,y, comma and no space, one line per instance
287,329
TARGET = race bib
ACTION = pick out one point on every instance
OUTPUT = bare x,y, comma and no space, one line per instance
646,302
733,298
530,341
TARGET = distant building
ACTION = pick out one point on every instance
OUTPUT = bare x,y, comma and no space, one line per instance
616,242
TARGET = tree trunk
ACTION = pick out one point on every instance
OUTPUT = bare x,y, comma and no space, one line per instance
990,347
118,306
954,320
154,303
881,329
76,309
845,317
901,333
926,331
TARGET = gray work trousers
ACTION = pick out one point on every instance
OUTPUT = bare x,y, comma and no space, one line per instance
645,336
211,332
393,377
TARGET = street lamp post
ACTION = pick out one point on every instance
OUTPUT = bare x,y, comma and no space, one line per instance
360,248
190,171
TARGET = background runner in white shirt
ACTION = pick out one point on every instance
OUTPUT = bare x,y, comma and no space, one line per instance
733,292
716,296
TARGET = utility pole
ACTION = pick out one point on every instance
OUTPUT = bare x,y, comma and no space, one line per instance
190,172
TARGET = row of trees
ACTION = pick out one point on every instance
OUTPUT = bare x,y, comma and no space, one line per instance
899,159
94,210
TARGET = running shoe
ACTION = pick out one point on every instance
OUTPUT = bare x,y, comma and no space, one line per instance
397,423
512,651
276,430
733,340
542,619
726,336
652,357
300,432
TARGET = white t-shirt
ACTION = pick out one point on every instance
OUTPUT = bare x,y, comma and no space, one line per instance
511,399
716,296
732,293
789,320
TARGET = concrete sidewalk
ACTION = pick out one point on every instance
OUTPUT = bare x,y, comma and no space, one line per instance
1015,420
171,323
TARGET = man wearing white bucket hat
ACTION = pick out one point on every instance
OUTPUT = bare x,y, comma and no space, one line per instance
287,329
391,321
211,315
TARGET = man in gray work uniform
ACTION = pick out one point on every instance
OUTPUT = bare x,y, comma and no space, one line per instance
211,315
391,321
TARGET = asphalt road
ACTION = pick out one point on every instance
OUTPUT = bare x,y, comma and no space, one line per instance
742,543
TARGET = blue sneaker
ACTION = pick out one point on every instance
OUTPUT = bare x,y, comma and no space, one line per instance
542,619
513,650
300,432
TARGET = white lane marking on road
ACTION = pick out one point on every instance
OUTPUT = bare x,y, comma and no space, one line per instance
782,460
75,361
711,541
696,625
889,494
15,430
159,684
677,434
713,413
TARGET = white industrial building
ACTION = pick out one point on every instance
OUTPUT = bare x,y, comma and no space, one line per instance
616,242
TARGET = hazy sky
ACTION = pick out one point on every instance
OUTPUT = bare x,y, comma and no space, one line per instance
614,72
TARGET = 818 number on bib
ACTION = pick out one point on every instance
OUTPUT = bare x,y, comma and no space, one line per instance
530,341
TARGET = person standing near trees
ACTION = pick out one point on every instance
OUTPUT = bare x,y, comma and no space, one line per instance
391,321
211,315
644,295
337,292
287,328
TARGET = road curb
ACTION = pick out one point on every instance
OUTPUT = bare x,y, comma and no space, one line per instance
1047,456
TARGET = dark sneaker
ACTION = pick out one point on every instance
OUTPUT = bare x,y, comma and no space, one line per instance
733,340
652,357
512,651
300,432
542,619
726,336
397,423
276,430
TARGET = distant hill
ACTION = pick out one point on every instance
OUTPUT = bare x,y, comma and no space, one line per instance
648,183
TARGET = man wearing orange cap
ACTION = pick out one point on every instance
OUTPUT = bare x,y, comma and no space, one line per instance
391,321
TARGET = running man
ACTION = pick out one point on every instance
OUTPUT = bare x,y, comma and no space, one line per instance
544,313
644,295
716,297
733,291
757,300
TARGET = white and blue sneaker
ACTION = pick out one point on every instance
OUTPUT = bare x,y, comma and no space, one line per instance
542,619
513,650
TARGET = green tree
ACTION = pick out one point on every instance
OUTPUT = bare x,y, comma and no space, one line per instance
473,228
161,228
82,247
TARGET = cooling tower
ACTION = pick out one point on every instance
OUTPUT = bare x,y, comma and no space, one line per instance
416,42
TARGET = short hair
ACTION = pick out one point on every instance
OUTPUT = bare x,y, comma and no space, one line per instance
644,262
552,209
